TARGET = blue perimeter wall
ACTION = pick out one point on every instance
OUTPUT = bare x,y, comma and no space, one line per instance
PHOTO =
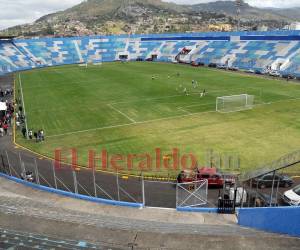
283,220
72,195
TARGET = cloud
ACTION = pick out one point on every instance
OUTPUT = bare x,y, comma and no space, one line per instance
14,12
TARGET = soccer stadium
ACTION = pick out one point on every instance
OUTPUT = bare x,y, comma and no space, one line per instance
128,107
197,124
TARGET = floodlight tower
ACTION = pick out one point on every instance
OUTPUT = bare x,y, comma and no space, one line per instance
238,4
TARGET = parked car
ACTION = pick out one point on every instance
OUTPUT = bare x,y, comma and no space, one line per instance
251,71
292,197
214,177
267,181
233,68
274,73
252,197
221,66
212,65
28,176
259,199
266,71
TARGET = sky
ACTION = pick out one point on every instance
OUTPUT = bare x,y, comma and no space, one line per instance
14,12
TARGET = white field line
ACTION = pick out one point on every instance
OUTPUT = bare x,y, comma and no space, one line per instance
180,95
130,124
120,112
23,105
154,120
287,100
162,97
65,83
197,105
183,110
148,99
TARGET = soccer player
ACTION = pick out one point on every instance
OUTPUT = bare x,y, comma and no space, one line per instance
193,83
203,93
185,91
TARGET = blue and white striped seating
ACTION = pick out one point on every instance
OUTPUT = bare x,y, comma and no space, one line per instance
245,50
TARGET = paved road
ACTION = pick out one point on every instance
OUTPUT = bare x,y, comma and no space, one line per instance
34,217
157,194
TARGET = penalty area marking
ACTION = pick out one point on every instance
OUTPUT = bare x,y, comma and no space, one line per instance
147,99
149,121
183,110
198,105
130,124
120,112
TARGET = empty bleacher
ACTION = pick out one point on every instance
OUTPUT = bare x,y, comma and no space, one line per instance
278,50
12,59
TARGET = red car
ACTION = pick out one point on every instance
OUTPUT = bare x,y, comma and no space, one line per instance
214,178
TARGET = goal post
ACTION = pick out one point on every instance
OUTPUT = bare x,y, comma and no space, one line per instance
234,103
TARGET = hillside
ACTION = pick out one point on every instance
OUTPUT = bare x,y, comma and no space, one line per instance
150,16
248,12
292,13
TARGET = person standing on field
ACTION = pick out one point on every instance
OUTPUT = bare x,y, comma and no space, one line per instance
24,132
30,134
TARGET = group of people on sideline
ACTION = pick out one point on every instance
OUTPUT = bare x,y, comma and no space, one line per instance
6,119
15,110
6,92
39,136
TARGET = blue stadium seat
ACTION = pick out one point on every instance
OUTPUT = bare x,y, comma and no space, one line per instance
245,50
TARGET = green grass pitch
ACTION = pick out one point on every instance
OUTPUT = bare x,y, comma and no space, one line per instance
119,107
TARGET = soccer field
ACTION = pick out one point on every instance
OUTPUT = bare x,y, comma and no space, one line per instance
120,108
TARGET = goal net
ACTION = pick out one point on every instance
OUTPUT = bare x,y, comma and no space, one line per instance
234,103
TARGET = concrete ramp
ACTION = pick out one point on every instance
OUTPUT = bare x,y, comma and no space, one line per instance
30,211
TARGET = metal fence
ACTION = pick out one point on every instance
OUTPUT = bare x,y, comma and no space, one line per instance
150,193
88,182
192,194
285,161
115,187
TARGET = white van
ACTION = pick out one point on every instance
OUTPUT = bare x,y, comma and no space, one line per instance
292,196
